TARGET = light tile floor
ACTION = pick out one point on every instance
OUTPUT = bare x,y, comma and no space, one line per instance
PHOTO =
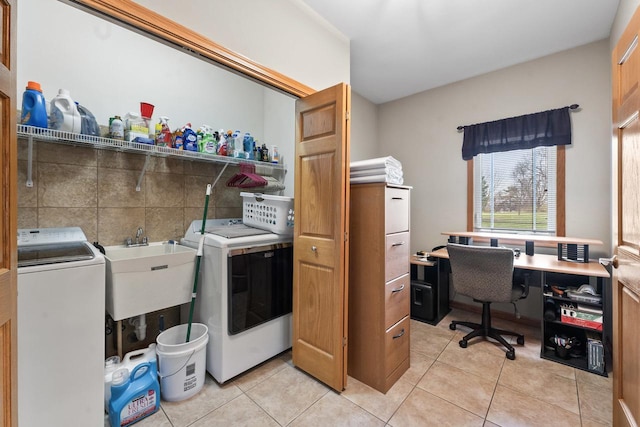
445,386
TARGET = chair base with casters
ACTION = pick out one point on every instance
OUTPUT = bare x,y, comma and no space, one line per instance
484,329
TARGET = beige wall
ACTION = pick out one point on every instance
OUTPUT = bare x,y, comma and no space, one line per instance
421,132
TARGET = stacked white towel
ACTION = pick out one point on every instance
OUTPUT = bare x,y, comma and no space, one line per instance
382,169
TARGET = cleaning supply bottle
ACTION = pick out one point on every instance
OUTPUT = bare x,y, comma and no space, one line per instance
134,395
163,133
64,113
34,108
208,141
116,128
190,138
231,144
178,140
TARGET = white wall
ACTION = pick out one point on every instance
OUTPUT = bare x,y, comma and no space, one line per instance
364,130
420,131
284,35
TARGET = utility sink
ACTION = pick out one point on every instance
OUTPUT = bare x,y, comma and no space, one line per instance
142,279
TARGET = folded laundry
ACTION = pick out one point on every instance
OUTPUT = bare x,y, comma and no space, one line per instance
382,169
376,163
376,178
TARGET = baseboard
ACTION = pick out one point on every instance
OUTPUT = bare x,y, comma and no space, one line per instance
496,314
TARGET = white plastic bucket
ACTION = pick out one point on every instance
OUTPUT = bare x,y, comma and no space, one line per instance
181,365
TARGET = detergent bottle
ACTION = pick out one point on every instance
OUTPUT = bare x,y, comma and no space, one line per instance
130,361
190,138
134,395
34,108
64,113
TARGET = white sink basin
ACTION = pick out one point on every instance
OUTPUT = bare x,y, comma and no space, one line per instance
143,279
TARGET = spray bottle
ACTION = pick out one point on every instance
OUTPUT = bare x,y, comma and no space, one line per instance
163,133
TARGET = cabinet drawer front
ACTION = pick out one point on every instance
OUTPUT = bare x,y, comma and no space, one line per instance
396,210
397,256
396,300
396,345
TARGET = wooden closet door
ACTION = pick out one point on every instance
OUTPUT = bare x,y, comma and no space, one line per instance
626,230
8,219
320,245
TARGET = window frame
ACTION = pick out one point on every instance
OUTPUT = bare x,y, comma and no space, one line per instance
560,193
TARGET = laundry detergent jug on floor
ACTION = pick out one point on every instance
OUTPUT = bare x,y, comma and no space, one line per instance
64,113
134,395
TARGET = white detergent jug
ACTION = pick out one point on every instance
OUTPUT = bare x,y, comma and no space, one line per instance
64,113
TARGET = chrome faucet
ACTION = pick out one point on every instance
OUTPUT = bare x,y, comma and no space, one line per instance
144,242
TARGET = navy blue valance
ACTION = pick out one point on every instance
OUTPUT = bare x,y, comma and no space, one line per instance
547,128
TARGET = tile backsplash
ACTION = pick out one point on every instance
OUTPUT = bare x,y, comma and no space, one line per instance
95,189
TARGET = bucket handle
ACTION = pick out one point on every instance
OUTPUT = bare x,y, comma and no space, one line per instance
179,369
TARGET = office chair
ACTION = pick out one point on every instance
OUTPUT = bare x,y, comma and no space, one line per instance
485,274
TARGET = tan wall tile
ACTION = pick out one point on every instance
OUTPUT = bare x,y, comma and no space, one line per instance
192,214
61,185
164,224
163,190
67,154
117,189
117,224
85,218
195,190
207,169
229,212
27,217
119,160
27,196
23,149
165,165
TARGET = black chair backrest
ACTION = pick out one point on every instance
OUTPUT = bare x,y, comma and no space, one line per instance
483,273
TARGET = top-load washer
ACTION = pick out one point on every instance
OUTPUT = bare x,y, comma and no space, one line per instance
244,294
61,303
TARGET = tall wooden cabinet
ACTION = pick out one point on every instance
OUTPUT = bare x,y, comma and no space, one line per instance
379,284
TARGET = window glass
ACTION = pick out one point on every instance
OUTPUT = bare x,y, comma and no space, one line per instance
515,191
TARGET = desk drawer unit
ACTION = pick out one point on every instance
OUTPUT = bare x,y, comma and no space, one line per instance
379,284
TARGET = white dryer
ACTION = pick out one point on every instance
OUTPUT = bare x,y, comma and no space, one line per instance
61,312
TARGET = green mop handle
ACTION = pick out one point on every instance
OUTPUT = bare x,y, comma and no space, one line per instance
198,258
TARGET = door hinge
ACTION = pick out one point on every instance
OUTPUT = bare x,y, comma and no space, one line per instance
344,341
348,115
346,236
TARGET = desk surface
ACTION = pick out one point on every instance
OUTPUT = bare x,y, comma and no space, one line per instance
544,262
519,239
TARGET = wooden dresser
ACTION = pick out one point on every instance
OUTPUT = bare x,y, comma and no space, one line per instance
379,284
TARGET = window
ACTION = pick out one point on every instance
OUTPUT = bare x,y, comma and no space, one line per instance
517,191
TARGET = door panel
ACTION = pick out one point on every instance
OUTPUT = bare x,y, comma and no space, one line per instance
320,272
626,227
8,217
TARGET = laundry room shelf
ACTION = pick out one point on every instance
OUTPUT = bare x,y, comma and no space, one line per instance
31,133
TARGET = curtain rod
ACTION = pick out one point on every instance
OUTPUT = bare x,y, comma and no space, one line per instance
571,107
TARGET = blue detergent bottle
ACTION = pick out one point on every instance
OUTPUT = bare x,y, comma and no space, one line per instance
34,109
134,396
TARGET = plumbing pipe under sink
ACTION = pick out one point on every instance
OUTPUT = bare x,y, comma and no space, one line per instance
140,323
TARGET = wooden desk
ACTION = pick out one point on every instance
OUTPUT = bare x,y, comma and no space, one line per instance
564,274
520,239
547,263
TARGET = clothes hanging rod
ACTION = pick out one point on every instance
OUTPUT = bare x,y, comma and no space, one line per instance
571,107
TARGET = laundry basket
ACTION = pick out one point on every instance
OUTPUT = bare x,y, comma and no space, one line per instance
271,213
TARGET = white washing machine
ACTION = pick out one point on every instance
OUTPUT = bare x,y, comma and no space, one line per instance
244,294
61,309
